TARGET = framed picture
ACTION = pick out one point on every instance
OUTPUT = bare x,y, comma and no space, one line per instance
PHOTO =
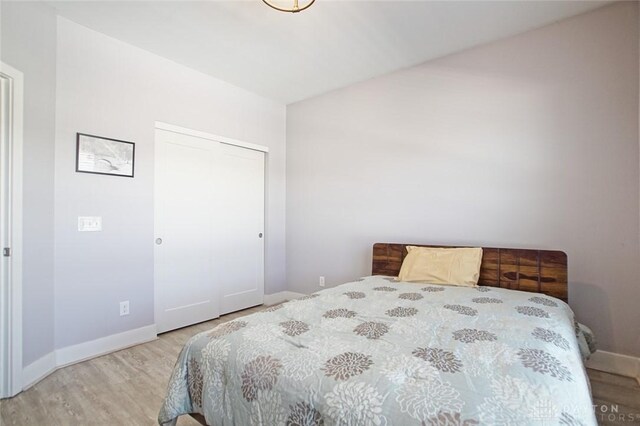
104,156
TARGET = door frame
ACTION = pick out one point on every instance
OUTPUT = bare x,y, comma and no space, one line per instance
11,291
204,135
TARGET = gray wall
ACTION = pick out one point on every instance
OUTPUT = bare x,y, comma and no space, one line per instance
106,87
28,43
527,142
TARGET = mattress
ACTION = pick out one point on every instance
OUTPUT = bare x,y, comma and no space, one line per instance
380,352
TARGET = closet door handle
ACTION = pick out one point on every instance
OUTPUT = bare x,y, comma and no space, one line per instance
260,235
158,241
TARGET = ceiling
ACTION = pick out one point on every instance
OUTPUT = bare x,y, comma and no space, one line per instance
290,57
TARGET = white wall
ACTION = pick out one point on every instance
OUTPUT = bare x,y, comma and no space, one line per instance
527,142
28,43
109,88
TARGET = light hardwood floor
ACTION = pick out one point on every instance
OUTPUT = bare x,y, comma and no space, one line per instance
127,387
616,398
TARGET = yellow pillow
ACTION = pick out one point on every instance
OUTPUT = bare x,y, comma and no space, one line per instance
454,266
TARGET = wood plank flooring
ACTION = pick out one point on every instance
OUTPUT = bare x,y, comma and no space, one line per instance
127,388
616,398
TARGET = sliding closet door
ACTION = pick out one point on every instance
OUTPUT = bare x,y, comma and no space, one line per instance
209,225
239,239
185,289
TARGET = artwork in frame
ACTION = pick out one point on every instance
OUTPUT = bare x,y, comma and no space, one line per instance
104,156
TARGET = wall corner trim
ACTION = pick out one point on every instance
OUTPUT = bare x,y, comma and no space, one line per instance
281,296
69,355
610,362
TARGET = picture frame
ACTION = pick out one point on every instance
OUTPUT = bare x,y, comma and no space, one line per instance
104,156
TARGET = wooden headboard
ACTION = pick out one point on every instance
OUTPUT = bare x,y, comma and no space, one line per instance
538,271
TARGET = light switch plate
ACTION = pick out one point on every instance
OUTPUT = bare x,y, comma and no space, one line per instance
89,223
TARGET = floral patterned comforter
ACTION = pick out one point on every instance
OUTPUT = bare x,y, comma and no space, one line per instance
380,352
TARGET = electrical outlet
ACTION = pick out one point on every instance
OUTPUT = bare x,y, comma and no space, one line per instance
321,282
124,308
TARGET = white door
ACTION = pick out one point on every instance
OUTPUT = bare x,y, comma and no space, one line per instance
11,115
5,232
209,214
239,241
184,290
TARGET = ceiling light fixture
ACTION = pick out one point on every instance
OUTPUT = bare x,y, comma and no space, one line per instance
294,9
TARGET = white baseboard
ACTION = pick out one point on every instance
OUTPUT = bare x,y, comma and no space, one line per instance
38,370
610,362
282,296
104,345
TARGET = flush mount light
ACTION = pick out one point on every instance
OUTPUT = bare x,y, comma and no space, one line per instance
295,7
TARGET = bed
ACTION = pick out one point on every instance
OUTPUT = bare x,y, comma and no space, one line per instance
380,352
